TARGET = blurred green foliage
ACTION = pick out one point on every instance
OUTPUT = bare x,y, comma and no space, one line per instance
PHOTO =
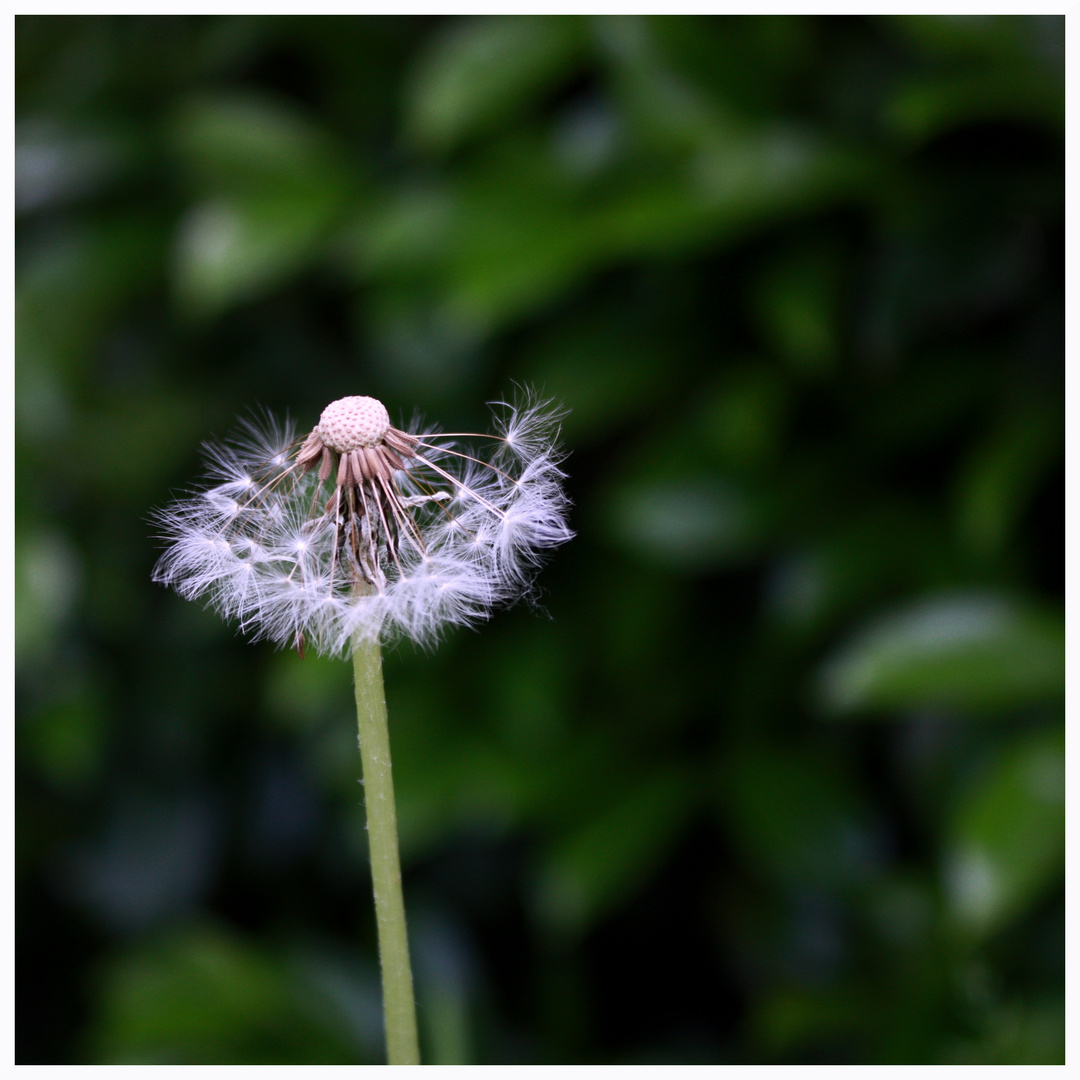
781,779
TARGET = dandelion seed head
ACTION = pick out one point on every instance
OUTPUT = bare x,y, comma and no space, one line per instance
353,422
362,530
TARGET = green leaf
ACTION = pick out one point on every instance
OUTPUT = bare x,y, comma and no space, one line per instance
1003,473
742,417
795,815
974,651
738,178
687,524
203,996
988,69
1005,842
48,577
1016,1032
484,71
797,305
233,249
55,165
524,235
271,186
590,870
927,108
300,693
402,234
245,142
68,740
73,281
790,1022
608,366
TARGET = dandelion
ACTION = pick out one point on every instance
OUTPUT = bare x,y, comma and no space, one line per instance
366,531
362,533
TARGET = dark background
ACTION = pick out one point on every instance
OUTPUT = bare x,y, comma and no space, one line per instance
778,774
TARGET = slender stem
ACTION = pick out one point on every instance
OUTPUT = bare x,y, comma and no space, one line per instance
402,1046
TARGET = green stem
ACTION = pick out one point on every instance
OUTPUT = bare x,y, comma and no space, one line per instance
402,1046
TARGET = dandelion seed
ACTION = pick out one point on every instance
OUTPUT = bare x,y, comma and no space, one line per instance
363,531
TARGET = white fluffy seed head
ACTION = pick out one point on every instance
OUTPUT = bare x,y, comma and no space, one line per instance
470,532
352,422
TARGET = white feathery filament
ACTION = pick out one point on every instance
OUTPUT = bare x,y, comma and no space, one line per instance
366,530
